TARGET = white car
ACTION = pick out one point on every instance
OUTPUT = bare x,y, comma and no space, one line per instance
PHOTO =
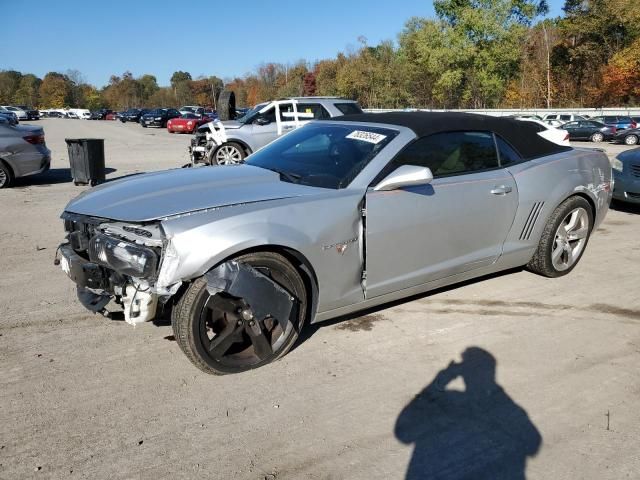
82,113
21,114
551,133
191,109
557,119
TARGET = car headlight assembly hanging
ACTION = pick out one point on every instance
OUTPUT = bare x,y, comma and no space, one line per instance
123,257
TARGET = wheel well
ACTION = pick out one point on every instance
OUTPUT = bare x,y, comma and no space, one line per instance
297,260
247,149
6,164
591,203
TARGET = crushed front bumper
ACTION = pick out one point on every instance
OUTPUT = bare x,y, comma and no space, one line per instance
95,288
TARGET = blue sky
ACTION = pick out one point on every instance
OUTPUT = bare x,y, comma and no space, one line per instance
204,37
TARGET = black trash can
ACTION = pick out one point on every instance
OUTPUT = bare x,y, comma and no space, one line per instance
86,156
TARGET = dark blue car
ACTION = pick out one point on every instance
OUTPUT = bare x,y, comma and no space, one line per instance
621,122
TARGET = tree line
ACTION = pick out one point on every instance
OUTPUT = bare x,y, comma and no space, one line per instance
473,54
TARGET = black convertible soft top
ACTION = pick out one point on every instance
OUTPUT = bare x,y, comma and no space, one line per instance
522,135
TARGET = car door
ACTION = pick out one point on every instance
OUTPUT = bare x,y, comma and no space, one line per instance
264,128
455,224
574,130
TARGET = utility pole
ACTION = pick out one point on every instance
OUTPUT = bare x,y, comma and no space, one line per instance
546,42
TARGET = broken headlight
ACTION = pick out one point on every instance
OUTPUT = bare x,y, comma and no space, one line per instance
123,257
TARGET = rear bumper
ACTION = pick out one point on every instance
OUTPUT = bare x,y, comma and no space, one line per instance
152,123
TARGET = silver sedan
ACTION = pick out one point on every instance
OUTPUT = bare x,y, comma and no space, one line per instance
23,152
330,219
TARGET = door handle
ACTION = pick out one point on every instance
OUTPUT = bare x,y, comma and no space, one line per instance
501,190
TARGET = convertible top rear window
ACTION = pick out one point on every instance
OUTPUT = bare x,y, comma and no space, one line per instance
321,155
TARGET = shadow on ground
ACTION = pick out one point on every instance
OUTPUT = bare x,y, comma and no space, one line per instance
476,433
631,208
50,177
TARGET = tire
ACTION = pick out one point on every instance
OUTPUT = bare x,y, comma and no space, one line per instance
631,140
229,153
143,125
597,137
226,107
564,238
198,314
6,175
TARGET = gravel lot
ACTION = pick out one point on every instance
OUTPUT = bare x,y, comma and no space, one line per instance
82,396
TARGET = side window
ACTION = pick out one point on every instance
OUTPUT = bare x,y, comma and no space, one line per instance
286,112
451,153
270,115
571,125
565,118
317,110
508,156
348,108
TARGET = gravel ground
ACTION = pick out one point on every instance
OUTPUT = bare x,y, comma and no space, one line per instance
550,367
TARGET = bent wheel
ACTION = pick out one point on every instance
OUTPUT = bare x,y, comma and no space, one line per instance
563,239
220,333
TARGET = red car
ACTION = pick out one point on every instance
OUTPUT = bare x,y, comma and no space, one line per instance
187,123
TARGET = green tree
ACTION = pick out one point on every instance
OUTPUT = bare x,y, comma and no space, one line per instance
179,77
28,90
9,84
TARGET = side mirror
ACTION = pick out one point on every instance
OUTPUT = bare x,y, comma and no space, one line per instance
262,121
405,176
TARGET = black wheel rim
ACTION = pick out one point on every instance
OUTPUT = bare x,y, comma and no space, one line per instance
236,340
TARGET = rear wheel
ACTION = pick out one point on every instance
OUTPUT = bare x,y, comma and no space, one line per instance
219,333
6,176
631,140
597,137
563,239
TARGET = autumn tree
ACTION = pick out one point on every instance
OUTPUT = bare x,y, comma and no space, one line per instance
55,91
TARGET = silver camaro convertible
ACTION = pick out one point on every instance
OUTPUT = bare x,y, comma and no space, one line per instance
332,218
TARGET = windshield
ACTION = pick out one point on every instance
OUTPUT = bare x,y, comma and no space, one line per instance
159,111
320,155
250,115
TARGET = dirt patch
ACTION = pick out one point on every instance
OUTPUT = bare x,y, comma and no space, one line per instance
483,312
501,303
616,222
361,323
613,310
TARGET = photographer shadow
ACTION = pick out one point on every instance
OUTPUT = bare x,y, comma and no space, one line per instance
478,433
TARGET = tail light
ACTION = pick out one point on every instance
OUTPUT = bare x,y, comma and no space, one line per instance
566,137
614,130
34,139
634,124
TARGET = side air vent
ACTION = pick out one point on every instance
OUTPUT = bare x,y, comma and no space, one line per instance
531,220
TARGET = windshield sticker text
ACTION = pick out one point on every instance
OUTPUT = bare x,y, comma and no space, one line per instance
370,137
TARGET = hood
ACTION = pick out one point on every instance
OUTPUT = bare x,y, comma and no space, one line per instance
231,124
151,196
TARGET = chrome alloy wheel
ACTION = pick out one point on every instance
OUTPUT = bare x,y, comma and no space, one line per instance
3,178
570,239
228,155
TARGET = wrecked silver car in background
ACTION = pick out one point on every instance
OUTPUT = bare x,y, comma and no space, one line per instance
230,141
332,218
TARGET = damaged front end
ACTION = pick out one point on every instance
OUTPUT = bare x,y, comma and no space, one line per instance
117,261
